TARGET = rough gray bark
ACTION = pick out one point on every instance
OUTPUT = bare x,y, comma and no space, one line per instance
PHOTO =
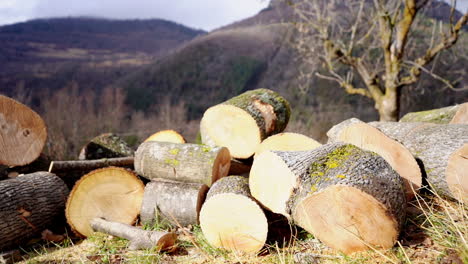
456,114
176,202
28,204
139,239
89,165
105,146
182,162
232,184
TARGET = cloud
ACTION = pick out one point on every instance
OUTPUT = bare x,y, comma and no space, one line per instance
13,11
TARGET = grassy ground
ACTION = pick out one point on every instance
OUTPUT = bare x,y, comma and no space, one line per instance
436,231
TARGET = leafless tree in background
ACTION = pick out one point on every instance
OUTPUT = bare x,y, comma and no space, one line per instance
373,39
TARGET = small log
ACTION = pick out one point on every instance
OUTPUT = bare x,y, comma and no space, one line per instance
28,204
231,219
167,136
105,146
182,162
112,193
89,165
176,202
456,114
241,123
23,133
365,136
139,239
287,141
347,197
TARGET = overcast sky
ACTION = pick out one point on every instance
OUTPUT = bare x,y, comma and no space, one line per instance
201,14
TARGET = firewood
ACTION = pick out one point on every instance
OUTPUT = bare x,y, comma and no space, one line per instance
456,114
365,136
347,197
182,162
239,167
105,146
178,203
23,133
231,219
287,141
241,123
89,165
111,193
29,204
139,239
167,136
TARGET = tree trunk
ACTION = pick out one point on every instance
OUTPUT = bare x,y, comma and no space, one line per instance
23,133
29,204
435,146
167,136
241,123
231,219
347,197
182,162
111,193
139,239
287,141
365,136
388,107
179,203
105,146
456,114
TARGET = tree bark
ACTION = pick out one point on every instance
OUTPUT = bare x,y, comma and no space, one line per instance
179,203
105,146
23,133
89,165
182,162
241,123
167,136
456,114
139,239
29,204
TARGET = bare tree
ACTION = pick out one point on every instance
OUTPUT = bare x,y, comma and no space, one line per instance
372,39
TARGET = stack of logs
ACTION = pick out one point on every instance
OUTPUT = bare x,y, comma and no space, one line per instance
351,193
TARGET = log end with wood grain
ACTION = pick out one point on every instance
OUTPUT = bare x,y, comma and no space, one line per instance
287,141
166,136
241,123
112,193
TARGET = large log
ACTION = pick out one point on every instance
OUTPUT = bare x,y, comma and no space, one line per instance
167,136
178,203
365,136
231,219
23,133
241,123
105,146
456,114
347,197
287,141
111,193
29,204
440,149
182,162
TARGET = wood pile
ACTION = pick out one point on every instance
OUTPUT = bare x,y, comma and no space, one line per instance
350,193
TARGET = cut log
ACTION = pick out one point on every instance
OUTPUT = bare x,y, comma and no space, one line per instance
347,197
105,146
23,133
111,193
239,168
40,164
287,141
436,146
182,162
456,114
167,136
139,239
241,123
89,165
179,203
231,219
365,136
29,204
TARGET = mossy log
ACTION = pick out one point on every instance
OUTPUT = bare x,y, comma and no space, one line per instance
176,202
367,137
241,123
182,162
23,133
167,136
231,219
139,239
440,147
287,141
347,197
456,114
105,146
112,193
29,204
